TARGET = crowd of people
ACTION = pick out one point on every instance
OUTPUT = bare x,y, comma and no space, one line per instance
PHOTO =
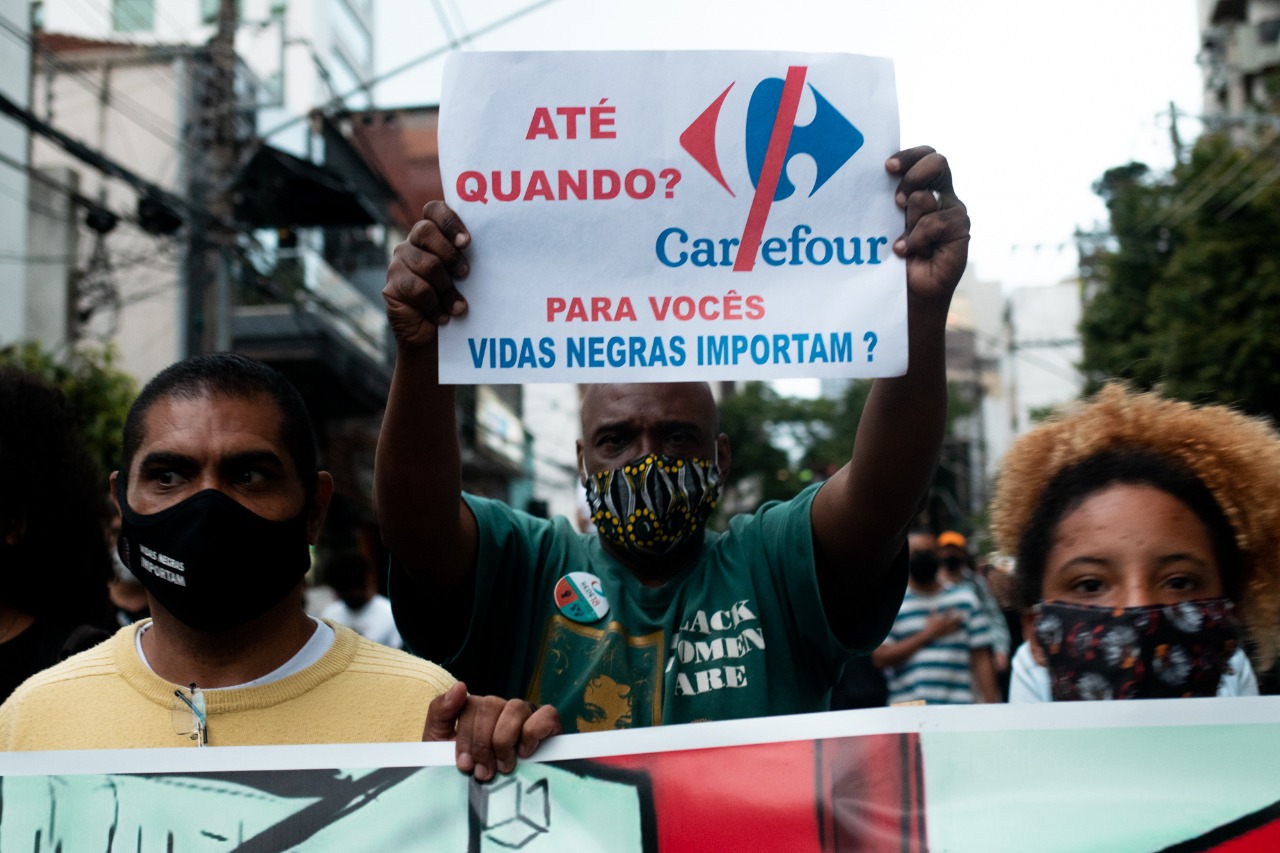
1144,534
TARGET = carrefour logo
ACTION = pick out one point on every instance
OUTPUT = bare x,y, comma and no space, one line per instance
772,139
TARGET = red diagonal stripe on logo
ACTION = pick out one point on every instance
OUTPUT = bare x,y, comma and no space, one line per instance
774,159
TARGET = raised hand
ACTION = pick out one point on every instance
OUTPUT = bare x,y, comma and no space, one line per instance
420,292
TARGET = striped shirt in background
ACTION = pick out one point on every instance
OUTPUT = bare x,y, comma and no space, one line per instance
939,673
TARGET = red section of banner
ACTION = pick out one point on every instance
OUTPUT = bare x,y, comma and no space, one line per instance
774,160
1264,838
801,796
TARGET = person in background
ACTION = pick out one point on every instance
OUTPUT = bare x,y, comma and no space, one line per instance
996,570
359,606
53,566
220,498
955,568
1147,534
861,685
128,596
939,649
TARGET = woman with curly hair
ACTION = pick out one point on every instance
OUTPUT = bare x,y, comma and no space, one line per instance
54,564
1147,536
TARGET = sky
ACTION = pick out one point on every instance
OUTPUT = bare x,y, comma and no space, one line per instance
1030,101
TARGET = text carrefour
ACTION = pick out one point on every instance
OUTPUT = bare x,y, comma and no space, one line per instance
798,249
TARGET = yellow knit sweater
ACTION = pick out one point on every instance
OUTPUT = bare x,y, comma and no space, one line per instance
107,698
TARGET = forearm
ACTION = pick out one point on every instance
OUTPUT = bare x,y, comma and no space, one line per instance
899,435
893,654
984,676
902,425
418,472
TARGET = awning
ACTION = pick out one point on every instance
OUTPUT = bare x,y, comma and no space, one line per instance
275,189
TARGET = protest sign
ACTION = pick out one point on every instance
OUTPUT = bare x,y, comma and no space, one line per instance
1174,775
673,216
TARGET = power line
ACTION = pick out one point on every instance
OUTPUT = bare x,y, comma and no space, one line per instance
368,85
31,205
443,18
157,9
125,261
36,175
118,36
1260,186
144,118
1186,206
1015,348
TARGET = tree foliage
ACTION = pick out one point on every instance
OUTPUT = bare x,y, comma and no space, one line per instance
98,390
782,444
1184,290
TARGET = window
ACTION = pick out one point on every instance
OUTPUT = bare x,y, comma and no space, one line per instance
133,16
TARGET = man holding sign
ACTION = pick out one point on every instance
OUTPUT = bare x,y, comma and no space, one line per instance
656,620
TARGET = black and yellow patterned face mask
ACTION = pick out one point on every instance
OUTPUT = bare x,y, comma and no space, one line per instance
654,504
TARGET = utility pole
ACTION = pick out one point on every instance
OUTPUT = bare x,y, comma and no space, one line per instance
1174,138
210,253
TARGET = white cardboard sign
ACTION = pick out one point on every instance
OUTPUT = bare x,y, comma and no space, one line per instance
671,216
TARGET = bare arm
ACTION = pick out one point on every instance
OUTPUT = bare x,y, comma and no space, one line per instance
418,468
937,625
984,675
861,514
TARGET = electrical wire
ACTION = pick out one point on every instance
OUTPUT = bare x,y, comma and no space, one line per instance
37,175
1012,348
1258,187
118,36
124,104
443,18
1183,210
31,205
434,53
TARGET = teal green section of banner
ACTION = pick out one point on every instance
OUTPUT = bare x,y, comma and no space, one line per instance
1103,789
539,807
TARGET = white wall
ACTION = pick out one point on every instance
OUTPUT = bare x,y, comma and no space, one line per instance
979,306
1046,349
14,76
139,126
551,415
311,28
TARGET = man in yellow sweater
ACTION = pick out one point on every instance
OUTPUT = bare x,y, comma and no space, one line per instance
220,498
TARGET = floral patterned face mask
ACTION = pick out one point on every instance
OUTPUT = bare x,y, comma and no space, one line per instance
654,504
1163,651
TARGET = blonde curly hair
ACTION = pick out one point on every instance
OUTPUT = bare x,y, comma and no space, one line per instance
1236,457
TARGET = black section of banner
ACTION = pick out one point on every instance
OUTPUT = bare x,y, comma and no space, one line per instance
1232,831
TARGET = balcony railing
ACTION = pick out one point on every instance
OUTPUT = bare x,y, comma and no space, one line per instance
302,279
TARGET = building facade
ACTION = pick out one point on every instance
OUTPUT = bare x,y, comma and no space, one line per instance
15,66
1240,56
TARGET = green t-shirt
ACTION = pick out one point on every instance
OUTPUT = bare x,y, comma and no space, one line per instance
741,633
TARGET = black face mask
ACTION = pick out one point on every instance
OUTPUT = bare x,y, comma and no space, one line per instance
210,561
1161,651
923,568
953,564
